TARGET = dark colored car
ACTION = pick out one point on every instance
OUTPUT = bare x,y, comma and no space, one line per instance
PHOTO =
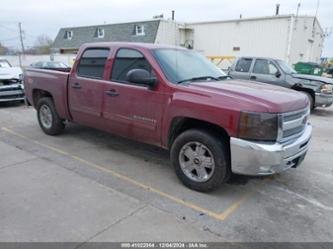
54,65
176,99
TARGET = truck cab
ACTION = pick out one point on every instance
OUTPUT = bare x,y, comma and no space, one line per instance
176,99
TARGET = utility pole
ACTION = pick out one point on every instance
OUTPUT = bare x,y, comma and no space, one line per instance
21,37
22,44
317,8
298,7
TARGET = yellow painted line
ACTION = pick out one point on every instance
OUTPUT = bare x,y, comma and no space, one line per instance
230,210
219,216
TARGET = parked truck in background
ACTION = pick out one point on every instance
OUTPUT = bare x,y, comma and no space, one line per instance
277,72
176,99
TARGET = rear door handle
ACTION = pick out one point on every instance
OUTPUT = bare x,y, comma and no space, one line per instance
112,93
76,86
253,77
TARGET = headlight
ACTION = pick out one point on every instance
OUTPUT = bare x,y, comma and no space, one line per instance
326,88
258,126
21,77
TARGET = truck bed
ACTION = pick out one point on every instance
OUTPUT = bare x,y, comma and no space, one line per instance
43,81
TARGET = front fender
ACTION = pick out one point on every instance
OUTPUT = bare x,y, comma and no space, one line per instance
183,106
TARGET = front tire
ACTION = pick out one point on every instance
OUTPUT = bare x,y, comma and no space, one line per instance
48,118
200,160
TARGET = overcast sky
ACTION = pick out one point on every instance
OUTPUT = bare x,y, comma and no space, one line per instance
48,16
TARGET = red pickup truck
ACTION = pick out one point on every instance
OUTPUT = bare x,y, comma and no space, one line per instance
176,99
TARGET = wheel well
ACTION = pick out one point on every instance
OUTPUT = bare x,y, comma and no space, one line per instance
37,94
182,124
310,91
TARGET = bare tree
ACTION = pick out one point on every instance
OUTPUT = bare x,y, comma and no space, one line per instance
3,49
43,44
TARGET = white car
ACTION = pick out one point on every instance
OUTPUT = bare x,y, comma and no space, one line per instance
11,82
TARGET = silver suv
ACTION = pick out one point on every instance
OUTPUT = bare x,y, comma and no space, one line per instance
278,72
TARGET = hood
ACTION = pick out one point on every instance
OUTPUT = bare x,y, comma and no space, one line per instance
253,96
10,73
313,78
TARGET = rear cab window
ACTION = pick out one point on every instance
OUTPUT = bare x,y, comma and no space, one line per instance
243,65
127,59
92,63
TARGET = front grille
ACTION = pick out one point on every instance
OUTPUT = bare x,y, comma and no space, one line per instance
14,88
15,96
294,123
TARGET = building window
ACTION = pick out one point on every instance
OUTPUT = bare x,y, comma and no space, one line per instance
99,33
139,30
68,35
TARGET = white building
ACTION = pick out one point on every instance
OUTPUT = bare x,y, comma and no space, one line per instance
284,37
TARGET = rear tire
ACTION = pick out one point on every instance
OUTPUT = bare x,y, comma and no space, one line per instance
201,160
48,118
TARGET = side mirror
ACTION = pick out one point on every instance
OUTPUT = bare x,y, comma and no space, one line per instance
142,77
278,74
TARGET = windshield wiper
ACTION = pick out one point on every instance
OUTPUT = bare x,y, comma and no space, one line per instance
199,78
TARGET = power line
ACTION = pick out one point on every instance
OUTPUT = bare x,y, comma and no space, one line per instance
9,39
9,29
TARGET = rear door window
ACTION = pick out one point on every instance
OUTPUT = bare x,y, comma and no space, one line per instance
263,66
92,63
243,65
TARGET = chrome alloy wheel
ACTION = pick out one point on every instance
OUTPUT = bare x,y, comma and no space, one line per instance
45,116
196,161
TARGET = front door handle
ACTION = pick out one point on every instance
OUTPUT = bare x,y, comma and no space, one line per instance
112,93
76,86
253,77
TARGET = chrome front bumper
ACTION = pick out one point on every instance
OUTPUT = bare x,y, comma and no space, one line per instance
254,158
323,99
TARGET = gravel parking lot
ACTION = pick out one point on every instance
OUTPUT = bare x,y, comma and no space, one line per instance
87,185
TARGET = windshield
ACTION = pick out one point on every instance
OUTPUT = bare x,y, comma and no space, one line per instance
180,65
285,67
4,64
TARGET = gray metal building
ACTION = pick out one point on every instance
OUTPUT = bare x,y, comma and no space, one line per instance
69,39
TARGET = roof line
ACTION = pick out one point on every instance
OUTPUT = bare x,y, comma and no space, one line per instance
110,24
249,19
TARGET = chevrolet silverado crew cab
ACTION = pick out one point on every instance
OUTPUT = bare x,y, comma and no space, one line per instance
176,99
319,90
